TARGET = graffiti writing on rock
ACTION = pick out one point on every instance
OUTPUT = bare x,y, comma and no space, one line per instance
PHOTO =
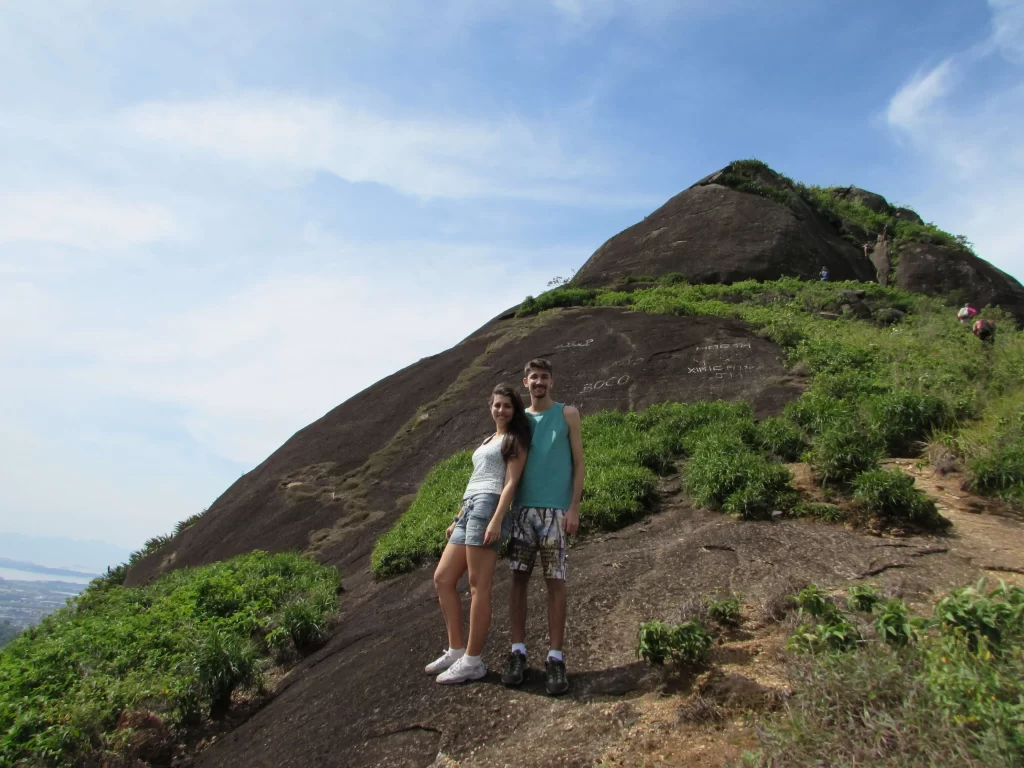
722,371
571,344
613,381
737,345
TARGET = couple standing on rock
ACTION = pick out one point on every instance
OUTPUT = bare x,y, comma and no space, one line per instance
527,482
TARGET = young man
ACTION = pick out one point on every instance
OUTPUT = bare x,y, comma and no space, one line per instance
547,510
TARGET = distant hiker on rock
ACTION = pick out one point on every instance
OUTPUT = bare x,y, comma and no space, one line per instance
475,537
985,330
966,313
823,275
547,510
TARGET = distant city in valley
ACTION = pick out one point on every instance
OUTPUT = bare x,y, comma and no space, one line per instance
25,603
39,573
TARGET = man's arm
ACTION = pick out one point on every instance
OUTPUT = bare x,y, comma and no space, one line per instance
579,469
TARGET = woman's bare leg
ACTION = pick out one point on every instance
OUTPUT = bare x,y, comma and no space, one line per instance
446,577
481,562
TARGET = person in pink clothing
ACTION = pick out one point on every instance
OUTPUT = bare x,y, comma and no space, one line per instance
966,313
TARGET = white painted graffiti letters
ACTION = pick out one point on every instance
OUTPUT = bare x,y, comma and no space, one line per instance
571,344
737,345
613,381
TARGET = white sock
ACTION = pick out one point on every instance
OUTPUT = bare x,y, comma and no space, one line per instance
472,660
556,655
521,647
456,652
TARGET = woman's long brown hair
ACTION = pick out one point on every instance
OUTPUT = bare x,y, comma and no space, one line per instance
518,432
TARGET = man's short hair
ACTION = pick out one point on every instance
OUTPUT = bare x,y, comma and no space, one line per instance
538,363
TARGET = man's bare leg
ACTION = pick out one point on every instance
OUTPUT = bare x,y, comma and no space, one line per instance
517,595
556,612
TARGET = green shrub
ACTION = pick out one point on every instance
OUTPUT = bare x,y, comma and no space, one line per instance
558,297
928,691
613,299
1000,472
686,643
891,496
722,475
903,419
863,599
894,624
780,437
177,647
837,635
844,451
220,662
724,610
813,600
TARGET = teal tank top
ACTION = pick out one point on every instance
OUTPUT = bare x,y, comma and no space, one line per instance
547,477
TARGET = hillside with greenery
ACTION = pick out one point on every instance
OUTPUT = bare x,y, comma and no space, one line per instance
173,652
906,380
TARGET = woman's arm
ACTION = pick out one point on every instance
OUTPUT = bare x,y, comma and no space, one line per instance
513,471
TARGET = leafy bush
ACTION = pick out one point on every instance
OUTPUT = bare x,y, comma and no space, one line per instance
836,634
724,610
843,452
863,599
220,662
177,647
1000,472
903,418
891,496
686,643
928,691
736,481
559,297
813,600
780,437
894,624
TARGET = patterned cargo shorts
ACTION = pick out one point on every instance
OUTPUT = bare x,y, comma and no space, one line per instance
538,529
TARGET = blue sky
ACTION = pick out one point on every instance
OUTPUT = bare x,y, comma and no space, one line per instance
220,219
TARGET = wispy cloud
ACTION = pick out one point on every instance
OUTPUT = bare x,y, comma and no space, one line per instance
82,218
428,157
914,100
968,127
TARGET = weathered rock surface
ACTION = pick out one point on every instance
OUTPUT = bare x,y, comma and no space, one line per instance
308,496
939,270
714,234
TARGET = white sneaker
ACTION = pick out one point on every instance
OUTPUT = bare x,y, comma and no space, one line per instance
463,670
443,662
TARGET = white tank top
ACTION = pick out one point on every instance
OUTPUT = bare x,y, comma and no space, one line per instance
488,469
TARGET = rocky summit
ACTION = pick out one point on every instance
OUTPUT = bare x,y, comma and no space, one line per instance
340,483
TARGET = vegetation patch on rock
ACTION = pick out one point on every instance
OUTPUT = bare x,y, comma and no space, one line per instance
173,651
882,686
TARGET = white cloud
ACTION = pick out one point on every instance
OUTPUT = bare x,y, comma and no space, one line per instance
912,102
1008,27
249,369
82,218
279,136
968,127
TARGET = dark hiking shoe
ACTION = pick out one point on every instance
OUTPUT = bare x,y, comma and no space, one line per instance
514,670
555,682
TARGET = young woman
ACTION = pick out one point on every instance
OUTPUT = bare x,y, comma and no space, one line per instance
475,537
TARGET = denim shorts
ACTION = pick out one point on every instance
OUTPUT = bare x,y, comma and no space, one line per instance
473,519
